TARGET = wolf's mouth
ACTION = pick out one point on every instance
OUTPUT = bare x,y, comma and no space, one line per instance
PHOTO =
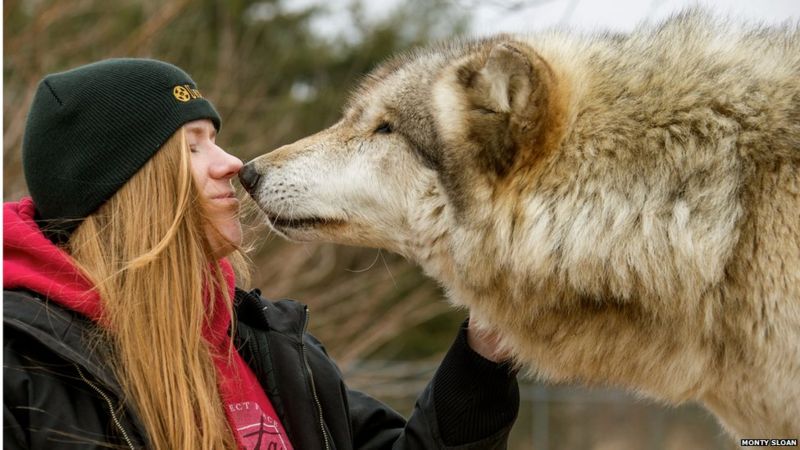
301,222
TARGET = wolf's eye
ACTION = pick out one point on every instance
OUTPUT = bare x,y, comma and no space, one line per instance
384,128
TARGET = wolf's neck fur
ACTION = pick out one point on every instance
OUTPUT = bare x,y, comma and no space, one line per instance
626,240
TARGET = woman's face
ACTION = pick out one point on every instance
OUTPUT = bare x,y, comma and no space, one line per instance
213,170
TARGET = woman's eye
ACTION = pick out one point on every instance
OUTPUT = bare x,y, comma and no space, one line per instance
384,128
192,149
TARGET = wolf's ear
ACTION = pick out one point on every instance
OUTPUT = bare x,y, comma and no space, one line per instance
506,100
506,80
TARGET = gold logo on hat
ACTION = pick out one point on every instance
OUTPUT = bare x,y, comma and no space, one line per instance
185,93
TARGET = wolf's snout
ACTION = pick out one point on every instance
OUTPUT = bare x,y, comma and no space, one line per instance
249,177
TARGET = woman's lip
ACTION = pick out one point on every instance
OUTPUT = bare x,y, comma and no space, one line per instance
224,196
226,200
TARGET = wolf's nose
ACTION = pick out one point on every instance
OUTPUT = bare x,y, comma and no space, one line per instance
249,177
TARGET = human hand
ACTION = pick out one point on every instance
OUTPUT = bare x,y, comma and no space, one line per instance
486,343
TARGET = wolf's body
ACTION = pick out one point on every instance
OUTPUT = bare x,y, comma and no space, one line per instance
624,209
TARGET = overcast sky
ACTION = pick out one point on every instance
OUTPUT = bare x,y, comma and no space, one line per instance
618,15
493,16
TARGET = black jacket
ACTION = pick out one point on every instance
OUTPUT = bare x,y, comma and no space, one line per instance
58,393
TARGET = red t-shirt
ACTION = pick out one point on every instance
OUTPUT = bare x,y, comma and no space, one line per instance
250,413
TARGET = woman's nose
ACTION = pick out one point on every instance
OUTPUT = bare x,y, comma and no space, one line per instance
228,165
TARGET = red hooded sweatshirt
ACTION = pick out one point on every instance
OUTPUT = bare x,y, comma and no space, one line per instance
33,262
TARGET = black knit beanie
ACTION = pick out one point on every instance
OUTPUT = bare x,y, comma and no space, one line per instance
90,129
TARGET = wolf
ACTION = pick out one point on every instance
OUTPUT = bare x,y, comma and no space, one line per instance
622,209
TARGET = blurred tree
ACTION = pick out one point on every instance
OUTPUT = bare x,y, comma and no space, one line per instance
274,80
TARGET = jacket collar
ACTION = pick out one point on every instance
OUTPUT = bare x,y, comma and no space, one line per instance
282,316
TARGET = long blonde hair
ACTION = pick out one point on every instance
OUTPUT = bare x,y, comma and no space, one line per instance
151,261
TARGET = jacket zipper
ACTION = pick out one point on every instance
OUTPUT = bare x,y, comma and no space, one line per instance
311,380
110,407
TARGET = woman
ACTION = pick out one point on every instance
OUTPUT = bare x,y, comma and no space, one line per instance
123,326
